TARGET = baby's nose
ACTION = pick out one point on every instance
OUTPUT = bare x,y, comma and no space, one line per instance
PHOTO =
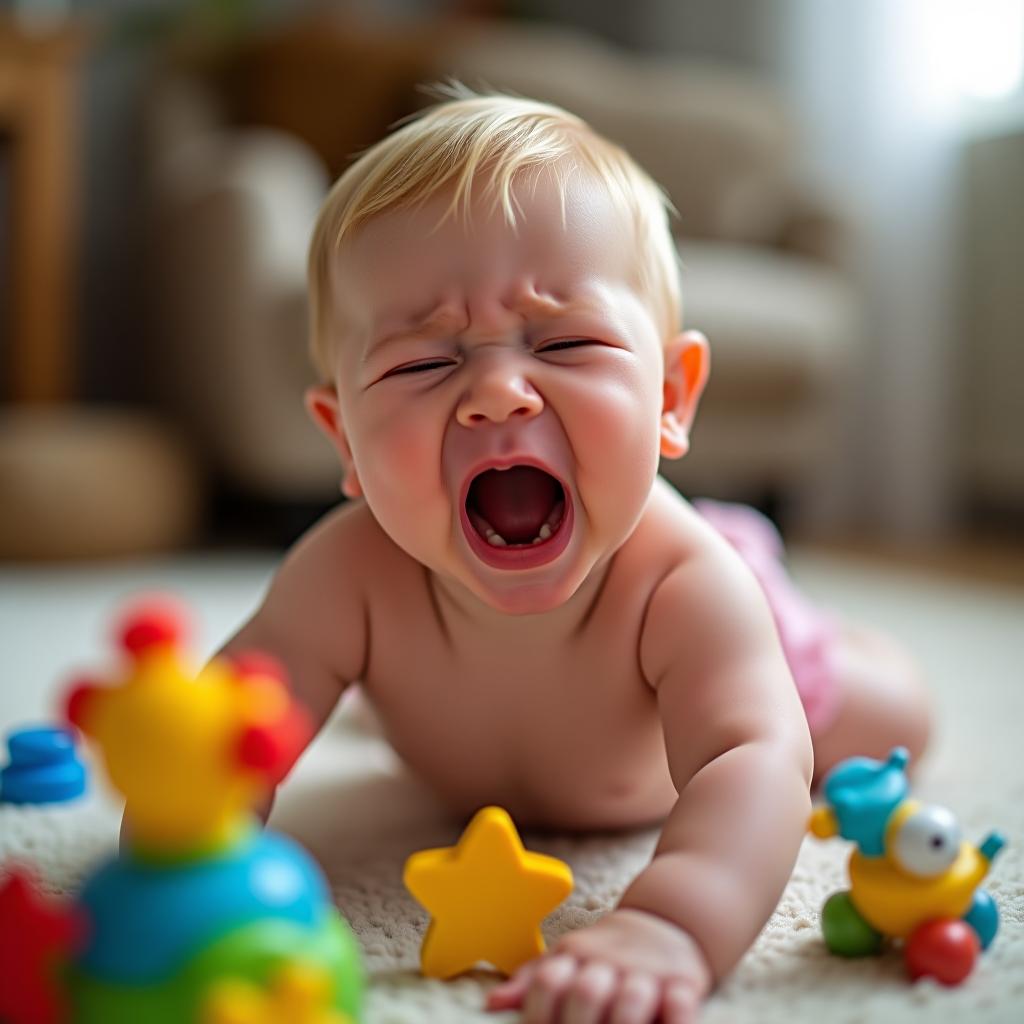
496,394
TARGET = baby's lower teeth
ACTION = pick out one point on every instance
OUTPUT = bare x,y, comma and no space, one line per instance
555,517
495,539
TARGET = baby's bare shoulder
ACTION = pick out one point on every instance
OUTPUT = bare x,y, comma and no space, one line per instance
348,537
670,535
711,651
706,598
317,600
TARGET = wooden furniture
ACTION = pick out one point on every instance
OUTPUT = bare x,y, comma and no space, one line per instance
78,481
38,124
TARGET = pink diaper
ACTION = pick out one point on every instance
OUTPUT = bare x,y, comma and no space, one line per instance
808,634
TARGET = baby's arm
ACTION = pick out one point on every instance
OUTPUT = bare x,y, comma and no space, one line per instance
739,752
740,755
313,620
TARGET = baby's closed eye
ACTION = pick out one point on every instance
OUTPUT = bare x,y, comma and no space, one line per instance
430,364
566,343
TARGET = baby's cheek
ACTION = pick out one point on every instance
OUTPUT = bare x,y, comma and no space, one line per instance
621,431
401,479
402,453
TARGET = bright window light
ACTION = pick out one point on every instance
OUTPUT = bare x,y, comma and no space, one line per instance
977,46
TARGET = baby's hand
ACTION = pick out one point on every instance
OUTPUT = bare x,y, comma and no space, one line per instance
629,968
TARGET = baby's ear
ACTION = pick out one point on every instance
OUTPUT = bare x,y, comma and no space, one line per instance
687,362
324,409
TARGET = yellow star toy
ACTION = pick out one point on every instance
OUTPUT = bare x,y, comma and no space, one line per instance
487,896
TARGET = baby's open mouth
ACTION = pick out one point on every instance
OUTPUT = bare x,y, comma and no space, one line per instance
521,506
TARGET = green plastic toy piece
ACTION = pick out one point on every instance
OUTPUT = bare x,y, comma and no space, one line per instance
846,932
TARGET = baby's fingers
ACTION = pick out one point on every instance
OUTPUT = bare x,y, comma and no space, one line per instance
680,1004
537,987
509,994
550,982
638,1000
589,995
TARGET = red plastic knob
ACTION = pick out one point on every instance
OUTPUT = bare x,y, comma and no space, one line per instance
256,664
76,703
944,949
158,622
273,749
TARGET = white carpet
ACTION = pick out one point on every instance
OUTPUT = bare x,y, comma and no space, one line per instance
970,638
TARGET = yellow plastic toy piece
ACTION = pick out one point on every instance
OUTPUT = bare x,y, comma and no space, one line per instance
895,902
299,994
823,823
487,897
173,744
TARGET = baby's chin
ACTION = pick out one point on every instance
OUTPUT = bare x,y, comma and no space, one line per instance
526,592
525,600
515,594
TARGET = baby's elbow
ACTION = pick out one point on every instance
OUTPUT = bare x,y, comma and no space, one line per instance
789,738
800,755
787,765
788,761
784,750
803,755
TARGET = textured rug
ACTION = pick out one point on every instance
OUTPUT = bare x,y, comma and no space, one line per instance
361,815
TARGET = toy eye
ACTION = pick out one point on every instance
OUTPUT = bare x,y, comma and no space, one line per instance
928,842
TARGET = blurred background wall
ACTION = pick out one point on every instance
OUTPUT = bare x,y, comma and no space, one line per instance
907,128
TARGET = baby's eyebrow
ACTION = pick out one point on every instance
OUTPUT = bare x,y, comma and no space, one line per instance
537,304
446,319
439,322
533,303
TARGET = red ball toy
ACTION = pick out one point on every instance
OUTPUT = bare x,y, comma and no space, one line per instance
944,949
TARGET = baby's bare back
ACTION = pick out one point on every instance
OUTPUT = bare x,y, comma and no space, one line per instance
547,715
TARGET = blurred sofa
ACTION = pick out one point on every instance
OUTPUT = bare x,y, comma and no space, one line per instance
242,156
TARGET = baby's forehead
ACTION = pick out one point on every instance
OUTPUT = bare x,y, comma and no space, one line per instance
398,261
440,306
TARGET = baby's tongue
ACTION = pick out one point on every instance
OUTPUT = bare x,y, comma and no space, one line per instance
515,501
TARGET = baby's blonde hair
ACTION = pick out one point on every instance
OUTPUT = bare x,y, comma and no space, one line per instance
497,137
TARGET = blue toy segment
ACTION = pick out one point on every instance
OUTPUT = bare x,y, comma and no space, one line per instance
863,793
983,917
146,920
993,843
44,767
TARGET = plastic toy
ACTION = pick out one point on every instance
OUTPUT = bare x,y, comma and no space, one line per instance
33,933
912,878
487,896
295,994
44,767
203,918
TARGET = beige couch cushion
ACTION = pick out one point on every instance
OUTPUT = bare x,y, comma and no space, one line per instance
780,326
717,140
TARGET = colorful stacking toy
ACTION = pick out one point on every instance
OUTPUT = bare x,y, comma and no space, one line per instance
203,917
912,878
